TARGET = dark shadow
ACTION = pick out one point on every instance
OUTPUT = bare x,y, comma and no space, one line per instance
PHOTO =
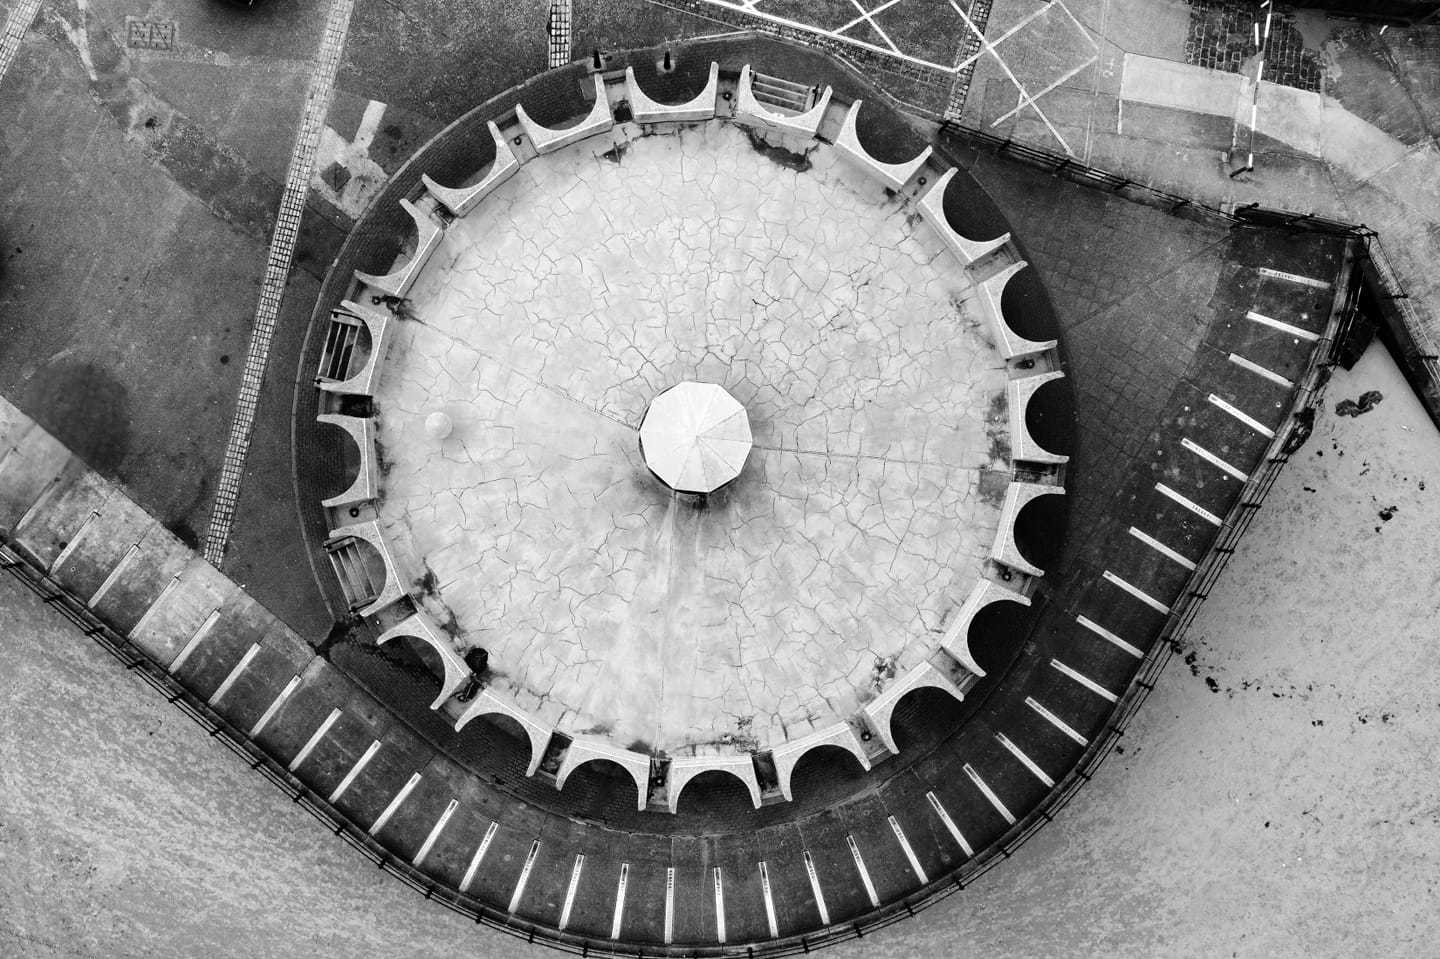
715,795
826,775
923,718
1050,417
599,783
1026,308
1040,529
345,454
996,634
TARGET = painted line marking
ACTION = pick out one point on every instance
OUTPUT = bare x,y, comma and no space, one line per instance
1214,460
115,574
1189,504
389,810
1137,592
275,706
1242,416
719,906
16,26
1260,371
1161,548
620,900
1025,760
74,541
815,888
1085,681
1294,278
151,609
229,681
949,823
435,831
480,851
1057,722
769,900
864,873
669,905
909,853
195,641
980,784
1282,326
314,740
1108,636
318,95
524,876
41,499
570,891
355,770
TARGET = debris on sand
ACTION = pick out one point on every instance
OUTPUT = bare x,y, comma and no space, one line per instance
1367,402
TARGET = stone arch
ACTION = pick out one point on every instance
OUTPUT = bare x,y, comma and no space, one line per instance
686,768
581,752
787,755
1023,444
893,175
1006,548
537,733
956,641
880,709
363,487
419,626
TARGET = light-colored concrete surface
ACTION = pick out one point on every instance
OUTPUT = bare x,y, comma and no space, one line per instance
1289,811
582,288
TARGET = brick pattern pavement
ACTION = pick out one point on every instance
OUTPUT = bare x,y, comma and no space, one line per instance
1222,37
16,26
277,272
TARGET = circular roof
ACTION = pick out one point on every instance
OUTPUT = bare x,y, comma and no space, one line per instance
695,437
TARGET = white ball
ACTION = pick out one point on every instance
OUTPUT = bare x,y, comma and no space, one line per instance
438,425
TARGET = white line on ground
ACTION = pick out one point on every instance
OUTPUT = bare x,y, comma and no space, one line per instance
1214,460
114,576
400,797
815,888
1283,327
1294,278
480,851
524,876
570,892
71,546
1085,681
1056,721
1108,636
314,740
719,905
355,770
864,873
229,681
154,606
989,793
1137,592
195,641
1161,548
1025,759
1188,503
1242,416
1259,370
909,852
669,905
769,900
275,706
949,823
435,831
620,900
277,270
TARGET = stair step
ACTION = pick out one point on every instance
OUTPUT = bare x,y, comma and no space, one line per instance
785,94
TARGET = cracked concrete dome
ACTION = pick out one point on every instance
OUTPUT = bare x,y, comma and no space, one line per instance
695,437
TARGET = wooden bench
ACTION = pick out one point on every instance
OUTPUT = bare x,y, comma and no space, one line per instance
582,751
428,233
338,372
893,175
749,111
422,628
364,596
1023,446
548,139
646,110
366,484
461,200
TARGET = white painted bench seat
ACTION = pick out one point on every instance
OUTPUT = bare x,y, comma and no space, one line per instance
646,110
988,297
893,175
548,139
422,628
788,754
584,751
428,233
749,111
369,532
487,702
686,768
461,200
1017,497
379,325
1023,446
880,709
932,209
956,640
362,489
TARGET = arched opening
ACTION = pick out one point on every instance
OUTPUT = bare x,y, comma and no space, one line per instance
886,137
344,458
923,718
995,636
602,789
716,797
1049,416
1025,308
825,775
1040,529
969,211
495,742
